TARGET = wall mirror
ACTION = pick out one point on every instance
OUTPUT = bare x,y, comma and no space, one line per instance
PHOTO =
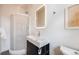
41,17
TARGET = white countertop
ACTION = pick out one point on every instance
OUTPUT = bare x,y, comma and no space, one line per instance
39,42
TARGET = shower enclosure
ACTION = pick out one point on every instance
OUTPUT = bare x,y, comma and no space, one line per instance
19,29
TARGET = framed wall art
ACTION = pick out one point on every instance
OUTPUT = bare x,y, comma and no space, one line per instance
72,17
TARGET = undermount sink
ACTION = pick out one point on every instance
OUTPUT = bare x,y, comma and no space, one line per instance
37,40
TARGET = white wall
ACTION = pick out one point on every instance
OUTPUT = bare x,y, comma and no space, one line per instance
56,33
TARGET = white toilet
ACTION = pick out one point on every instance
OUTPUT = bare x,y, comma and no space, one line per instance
68,51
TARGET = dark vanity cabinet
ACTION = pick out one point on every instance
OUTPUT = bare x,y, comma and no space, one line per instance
34,50
31,49
45,50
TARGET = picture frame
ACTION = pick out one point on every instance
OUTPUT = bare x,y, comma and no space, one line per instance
72,17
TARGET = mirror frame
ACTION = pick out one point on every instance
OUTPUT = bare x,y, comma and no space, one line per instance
45,23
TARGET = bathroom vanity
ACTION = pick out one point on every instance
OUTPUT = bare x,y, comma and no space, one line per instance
37,46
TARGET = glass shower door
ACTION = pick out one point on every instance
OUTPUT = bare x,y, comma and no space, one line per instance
19,31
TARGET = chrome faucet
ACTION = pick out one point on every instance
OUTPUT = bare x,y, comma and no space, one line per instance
38,33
